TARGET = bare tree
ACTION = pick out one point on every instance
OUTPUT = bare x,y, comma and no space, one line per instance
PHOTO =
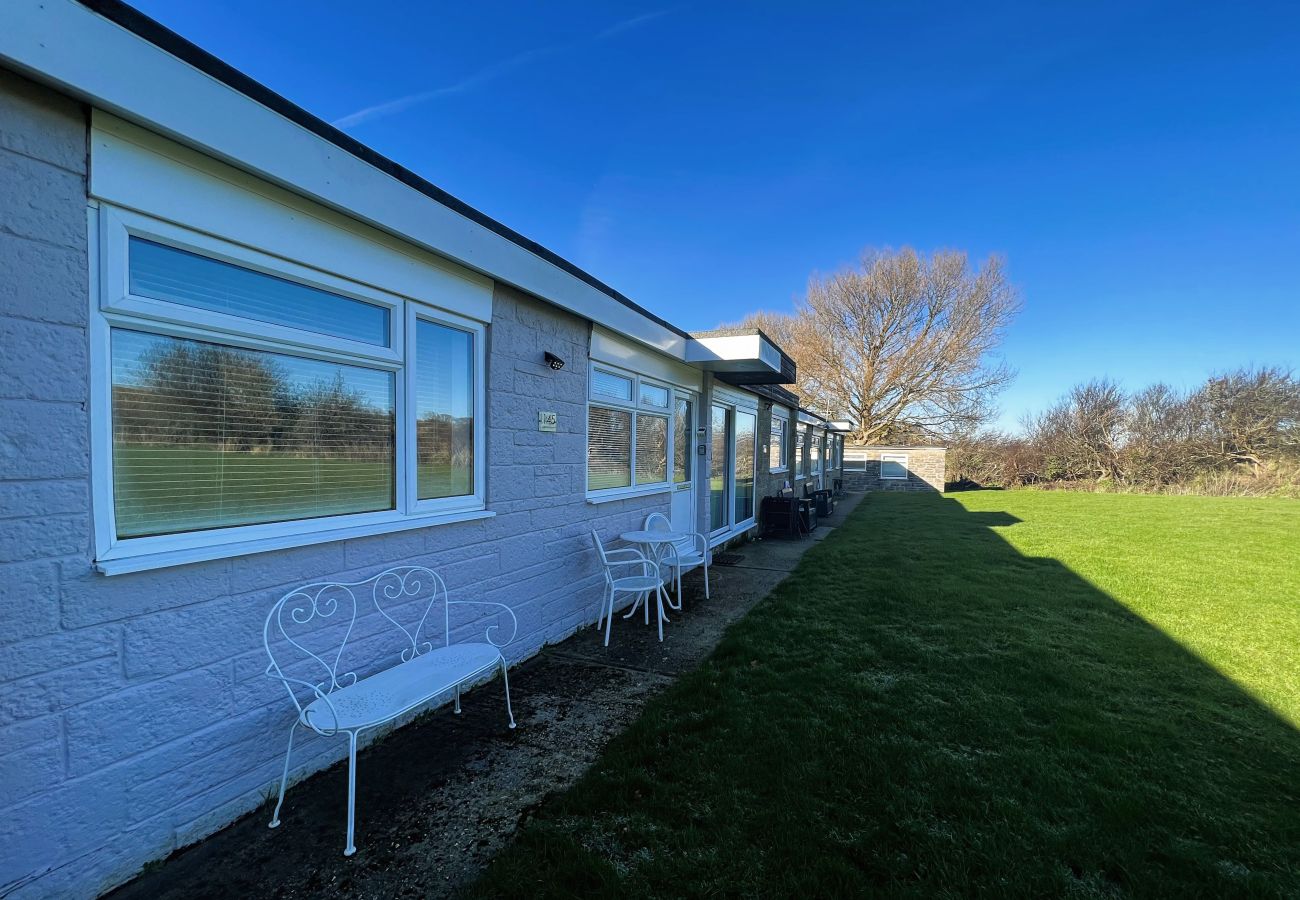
901,343
1081,435
1247,416
1158,433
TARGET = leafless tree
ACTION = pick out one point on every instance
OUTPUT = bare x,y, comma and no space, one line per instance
1081,435
901,343
1158,434
1247,416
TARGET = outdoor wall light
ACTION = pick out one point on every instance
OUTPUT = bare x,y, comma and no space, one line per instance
554,361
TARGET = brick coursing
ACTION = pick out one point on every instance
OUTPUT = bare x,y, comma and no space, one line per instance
134,713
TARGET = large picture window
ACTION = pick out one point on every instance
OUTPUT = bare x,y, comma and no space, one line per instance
248,399
210,436
633,428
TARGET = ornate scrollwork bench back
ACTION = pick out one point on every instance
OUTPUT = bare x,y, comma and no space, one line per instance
309,628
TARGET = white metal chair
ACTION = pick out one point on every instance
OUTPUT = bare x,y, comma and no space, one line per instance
307,632
691,550
640,586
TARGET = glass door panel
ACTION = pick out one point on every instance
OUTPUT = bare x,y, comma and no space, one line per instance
720,428
746,428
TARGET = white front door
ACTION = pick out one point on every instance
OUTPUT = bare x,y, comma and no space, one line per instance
681,513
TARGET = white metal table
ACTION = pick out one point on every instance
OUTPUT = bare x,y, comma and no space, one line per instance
656,542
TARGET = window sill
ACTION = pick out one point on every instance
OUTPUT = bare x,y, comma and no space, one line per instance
122,560
780,471
612,494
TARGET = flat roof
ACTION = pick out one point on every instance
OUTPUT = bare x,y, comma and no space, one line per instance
165,39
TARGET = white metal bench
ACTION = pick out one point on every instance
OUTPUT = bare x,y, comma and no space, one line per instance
308,630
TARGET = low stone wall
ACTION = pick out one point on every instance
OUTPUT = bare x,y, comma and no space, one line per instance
924,467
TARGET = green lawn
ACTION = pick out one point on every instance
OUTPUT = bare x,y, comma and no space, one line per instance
996,694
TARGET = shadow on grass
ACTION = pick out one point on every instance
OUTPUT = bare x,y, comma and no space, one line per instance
922,710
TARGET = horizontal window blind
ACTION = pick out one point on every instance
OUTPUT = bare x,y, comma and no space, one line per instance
609,448
651,449
607,384
444,410
211,436
776,444
179,276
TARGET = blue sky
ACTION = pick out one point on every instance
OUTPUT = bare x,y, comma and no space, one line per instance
1138,164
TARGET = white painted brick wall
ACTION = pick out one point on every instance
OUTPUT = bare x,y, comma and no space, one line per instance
134,713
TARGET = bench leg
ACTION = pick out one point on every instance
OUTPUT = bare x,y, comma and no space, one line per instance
457,710
284,779
352,791
706,574
506,678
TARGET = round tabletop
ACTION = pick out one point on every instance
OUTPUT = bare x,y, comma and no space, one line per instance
651,537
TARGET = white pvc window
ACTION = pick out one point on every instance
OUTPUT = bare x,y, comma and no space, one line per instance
776,454
893,465
245,399
631,433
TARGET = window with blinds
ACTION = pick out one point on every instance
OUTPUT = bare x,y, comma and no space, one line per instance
168,273
296,403
609,448
210,436
776,444
632,439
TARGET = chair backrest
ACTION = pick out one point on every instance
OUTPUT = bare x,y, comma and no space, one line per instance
309,628
600,552
657,522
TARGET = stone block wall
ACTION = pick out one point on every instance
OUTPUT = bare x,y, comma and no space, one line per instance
135,716
925,469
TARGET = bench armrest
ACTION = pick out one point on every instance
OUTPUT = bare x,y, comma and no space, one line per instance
495,626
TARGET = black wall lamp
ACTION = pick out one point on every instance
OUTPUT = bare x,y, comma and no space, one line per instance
554,361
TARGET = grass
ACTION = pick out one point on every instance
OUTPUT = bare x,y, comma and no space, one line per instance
994,694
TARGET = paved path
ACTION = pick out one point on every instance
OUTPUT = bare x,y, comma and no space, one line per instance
439,797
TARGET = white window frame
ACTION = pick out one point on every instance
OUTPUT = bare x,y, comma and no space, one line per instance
899,458
784,419
633,406
114,306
